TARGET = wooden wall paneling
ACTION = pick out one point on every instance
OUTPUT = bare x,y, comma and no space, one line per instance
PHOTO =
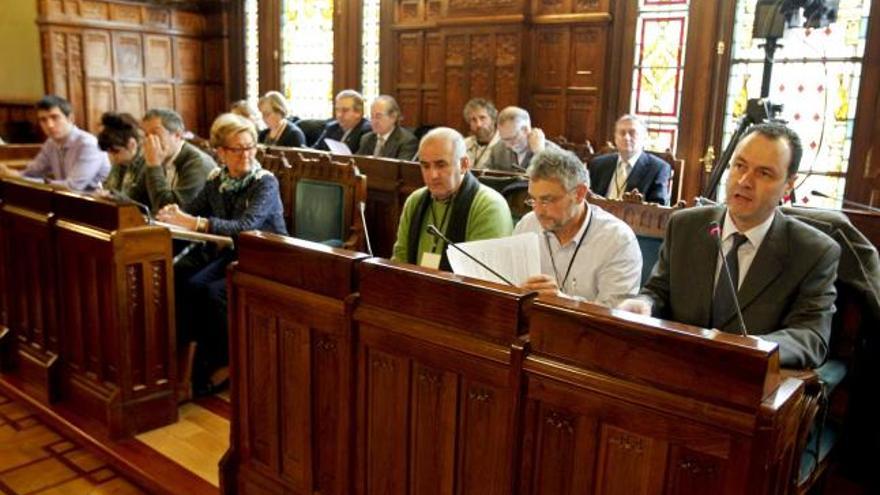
97,54
94,10
54,47
548,113
215,104
483,8
131,98
128,55
100,98
549,7
582,118
158,58
126,14
432,80
409,11
481,52
190,105
411,53
455,82
188,59
586,6
160,95
508,61
214,60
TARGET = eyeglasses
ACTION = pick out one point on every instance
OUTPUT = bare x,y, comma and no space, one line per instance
239,151
544,201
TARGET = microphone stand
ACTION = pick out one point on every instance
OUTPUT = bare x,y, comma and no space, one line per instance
715,232
436,233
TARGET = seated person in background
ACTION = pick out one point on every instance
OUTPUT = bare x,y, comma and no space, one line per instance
279,131
238,197
350,124
70,156
121,138
784,269
388,139
630,168
586,252
518,141
452,200
243,108
176,170
480,115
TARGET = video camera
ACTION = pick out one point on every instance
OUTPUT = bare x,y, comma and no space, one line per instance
772,17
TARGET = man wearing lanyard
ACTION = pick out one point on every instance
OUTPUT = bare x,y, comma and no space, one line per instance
452,200
586,253
480,115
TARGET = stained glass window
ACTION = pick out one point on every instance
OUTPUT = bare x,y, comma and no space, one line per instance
661,32
252,52
307,57
370,50
816,78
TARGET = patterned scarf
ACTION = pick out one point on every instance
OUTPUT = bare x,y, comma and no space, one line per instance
229,184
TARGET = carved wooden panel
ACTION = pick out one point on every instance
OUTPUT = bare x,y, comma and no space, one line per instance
625,462
582,118
55,44
130,14
433,65
160,96
484,420
386,429
409,62
188,55
544,7
157,57
434,413
409,11
132,99
295,368
214,56
262,386
188,22
97,54
546,111
157,17
591,5
100,98
215,101
189,104
432,108
410,105
690,471
587,57
483,7
128,54
550,58
95,10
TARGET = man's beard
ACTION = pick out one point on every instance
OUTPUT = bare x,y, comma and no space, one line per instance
484,135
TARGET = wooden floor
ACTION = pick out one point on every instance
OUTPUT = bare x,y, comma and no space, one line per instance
48,450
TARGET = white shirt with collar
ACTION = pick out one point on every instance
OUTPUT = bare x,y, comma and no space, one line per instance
608,265
479,153
747,250
169,167
612,187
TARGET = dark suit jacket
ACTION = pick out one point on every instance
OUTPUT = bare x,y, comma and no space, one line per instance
787,296
503,158
401,144
335,131
292,136
650,175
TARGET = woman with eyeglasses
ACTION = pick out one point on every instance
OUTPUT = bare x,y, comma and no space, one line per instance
237,197
122,139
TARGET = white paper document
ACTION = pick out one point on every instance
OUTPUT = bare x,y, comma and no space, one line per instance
516,258
337,147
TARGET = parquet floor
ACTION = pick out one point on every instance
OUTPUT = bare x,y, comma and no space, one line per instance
37,460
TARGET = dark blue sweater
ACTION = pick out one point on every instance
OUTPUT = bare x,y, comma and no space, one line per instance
256,207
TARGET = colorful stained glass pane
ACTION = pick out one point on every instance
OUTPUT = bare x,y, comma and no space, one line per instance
307,56
661,32
816,76
252,52
370,50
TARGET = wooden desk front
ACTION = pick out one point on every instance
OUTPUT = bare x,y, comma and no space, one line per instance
90,306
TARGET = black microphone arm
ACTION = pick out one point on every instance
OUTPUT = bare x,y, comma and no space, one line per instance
845,201
715,232
121,196
436,233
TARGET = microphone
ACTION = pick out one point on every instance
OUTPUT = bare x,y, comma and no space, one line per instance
845,201
363,207
120,196
715,233
436,233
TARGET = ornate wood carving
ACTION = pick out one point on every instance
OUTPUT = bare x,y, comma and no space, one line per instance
160,96
129,55
158,57
100,99
98,56
131,98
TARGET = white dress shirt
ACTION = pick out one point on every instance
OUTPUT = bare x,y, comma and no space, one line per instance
608,266
747,251
613,192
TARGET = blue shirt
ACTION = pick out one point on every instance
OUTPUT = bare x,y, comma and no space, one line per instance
76,164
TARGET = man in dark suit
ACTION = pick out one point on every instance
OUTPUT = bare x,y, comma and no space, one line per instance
784,270
630,168
388,139
518,141
350,124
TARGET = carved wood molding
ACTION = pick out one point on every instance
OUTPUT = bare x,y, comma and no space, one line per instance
591,18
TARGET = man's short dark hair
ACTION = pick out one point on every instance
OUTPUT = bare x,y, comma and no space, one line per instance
171,120
49,102
774,131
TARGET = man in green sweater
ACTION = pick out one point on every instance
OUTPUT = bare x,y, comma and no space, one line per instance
176,170
452,200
